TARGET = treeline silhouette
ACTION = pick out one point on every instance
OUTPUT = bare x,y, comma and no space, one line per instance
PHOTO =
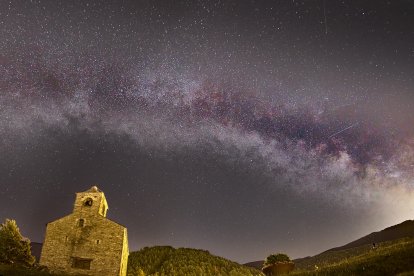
166,260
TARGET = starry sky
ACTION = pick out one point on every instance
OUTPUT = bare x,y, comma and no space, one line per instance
241,127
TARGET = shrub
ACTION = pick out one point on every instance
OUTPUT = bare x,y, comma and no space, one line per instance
276,258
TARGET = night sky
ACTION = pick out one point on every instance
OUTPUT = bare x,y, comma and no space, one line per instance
241,127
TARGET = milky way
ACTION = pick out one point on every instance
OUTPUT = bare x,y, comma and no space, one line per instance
243,128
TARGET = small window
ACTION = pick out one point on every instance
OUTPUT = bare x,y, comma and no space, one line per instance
98,241
88,202
81,222
81,263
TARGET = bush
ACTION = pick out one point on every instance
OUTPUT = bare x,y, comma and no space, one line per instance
276,258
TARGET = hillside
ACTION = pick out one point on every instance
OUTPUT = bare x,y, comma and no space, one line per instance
388,258
255,264
398,231
332,257
166,260
360,246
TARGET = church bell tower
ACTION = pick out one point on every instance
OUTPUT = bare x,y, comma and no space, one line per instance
90,202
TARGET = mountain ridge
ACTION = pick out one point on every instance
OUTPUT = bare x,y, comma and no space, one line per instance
397,231
404,229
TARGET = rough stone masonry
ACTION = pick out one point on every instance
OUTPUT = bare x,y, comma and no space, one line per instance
86,242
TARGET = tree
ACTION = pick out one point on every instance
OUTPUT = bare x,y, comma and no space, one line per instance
276,258
14,248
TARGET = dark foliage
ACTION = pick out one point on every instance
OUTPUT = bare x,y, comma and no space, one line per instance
166,260
276,258
14,248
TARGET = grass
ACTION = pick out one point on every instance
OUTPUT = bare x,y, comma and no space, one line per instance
17,270
14,270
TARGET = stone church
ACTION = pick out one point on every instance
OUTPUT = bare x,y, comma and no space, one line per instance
86,242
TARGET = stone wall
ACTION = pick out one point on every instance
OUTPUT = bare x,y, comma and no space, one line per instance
85,242
99,205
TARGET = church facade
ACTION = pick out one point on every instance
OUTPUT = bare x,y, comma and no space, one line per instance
86,242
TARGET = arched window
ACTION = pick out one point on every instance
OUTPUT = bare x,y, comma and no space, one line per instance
81,222
88,202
